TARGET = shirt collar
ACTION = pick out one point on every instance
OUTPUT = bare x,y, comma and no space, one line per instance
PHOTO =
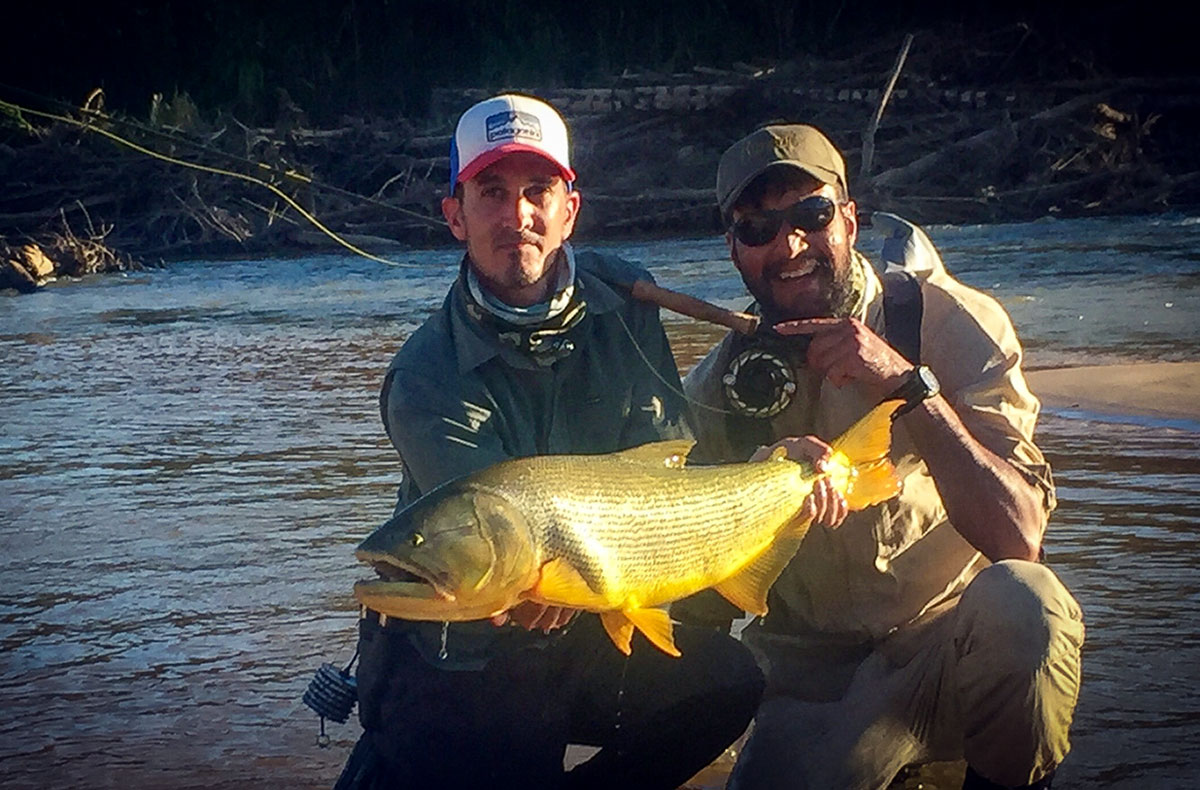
475,344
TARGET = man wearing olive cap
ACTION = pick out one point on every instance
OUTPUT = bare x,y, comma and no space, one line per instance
925,628
537,349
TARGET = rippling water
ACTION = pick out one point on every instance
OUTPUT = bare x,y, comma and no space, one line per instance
188,457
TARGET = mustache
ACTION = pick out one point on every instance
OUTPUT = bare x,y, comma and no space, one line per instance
823,265
521,237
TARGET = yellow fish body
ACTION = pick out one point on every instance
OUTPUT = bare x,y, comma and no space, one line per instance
621,534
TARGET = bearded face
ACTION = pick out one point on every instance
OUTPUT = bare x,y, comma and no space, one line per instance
797,273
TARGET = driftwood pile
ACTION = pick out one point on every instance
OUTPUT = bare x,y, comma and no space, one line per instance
1099,147
220,188
938,154
30,263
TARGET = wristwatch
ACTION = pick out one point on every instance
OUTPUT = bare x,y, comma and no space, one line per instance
921,385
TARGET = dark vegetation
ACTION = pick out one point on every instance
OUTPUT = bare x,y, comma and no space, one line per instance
1001,112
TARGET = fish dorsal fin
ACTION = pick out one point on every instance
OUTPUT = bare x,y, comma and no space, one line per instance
619,628
656,625
671,454
747,589
562,585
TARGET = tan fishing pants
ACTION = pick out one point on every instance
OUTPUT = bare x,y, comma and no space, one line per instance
992,678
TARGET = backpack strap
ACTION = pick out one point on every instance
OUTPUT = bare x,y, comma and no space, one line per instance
903,307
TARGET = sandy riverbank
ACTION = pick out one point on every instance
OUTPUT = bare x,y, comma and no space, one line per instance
1168,390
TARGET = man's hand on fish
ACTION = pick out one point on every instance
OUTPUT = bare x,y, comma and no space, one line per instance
531,615
845,350
825,505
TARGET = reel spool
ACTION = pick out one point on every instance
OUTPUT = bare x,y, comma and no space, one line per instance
759,383
331,694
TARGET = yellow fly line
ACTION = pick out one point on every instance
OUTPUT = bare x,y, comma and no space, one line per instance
18,110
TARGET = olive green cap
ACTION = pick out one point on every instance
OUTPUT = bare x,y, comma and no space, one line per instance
801,146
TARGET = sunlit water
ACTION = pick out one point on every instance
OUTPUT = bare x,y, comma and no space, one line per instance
188,457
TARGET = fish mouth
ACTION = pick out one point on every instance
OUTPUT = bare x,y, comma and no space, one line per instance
398,579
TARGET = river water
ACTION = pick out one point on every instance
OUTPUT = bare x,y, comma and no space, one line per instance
188,457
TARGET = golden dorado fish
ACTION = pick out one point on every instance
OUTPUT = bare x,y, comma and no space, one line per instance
622,534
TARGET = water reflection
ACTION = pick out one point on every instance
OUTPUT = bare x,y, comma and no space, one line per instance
189,456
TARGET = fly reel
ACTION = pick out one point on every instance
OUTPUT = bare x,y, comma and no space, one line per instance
331,695
759,383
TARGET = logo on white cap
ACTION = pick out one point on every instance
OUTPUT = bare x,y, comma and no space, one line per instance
513,125
503,125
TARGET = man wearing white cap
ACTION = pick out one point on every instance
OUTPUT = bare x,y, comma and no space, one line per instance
537,349
924,628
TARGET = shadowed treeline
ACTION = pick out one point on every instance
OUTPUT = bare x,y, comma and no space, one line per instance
383,57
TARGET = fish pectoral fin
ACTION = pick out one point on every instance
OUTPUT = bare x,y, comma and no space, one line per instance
619,628
747,589
561,584
671,454
655,624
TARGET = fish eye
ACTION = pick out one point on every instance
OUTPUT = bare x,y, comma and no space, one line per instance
417,539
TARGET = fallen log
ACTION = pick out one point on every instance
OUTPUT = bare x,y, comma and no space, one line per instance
984,142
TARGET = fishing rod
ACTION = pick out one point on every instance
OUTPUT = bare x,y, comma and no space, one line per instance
694,307
642,290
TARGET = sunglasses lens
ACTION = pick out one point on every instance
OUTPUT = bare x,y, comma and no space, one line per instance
756,230
809,215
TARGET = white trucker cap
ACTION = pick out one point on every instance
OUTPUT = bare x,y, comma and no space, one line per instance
503,125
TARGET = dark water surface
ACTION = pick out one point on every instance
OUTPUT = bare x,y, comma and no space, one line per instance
188,457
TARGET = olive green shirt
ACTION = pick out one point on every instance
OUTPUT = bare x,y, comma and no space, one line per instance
456,399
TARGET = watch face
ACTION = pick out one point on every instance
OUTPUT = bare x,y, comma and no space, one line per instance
928,381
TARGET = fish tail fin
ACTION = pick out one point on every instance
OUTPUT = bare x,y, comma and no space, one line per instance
865,446
873,484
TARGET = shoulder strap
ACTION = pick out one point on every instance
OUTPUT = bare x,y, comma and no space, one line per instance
902,310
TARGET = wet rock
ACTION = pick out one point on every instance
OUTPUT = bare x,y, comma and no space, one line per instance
35,262
13,274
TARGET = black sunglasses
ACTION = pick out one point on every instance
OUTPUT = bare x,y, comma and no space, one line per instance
809,215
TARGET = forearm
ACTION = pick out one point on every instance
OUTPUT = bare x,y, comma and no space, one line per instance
986,499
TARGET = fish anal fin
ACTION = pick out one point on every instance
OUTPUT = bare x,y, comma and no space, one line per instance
561,584
796,528
655,624
672,453
747,589
619,629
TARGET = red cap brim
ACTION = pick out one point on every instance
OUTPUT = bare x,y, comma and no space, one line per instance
492,155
